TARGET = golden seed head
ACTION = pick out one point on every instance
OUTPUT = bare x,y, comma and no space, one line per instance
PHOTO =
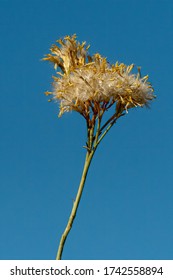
90,84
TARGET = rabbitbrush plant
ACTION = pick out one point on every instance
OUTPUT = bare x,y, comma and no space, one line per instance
91,86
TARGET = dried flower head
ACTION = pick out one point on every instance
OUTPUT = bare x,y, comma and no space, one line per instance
90,85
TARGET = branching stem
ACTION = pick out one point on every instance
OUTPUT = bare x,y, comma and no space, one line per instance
93,142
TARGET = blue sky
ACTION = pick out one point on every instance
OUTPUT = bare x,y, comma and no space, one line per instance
127,206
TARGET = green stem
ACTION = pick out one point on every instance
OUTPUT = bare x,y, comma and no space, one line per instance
105,132
88,159
93,143
113,119
98,131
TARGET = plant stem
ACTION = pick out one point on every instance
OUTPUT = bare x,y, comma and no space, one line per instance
93,142
88,159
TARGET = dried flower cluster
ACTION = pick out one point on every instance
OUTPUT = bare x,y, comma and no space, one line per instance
90,85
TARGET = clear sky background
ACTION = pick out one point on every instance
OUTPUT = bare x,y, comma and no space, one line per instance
126,211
